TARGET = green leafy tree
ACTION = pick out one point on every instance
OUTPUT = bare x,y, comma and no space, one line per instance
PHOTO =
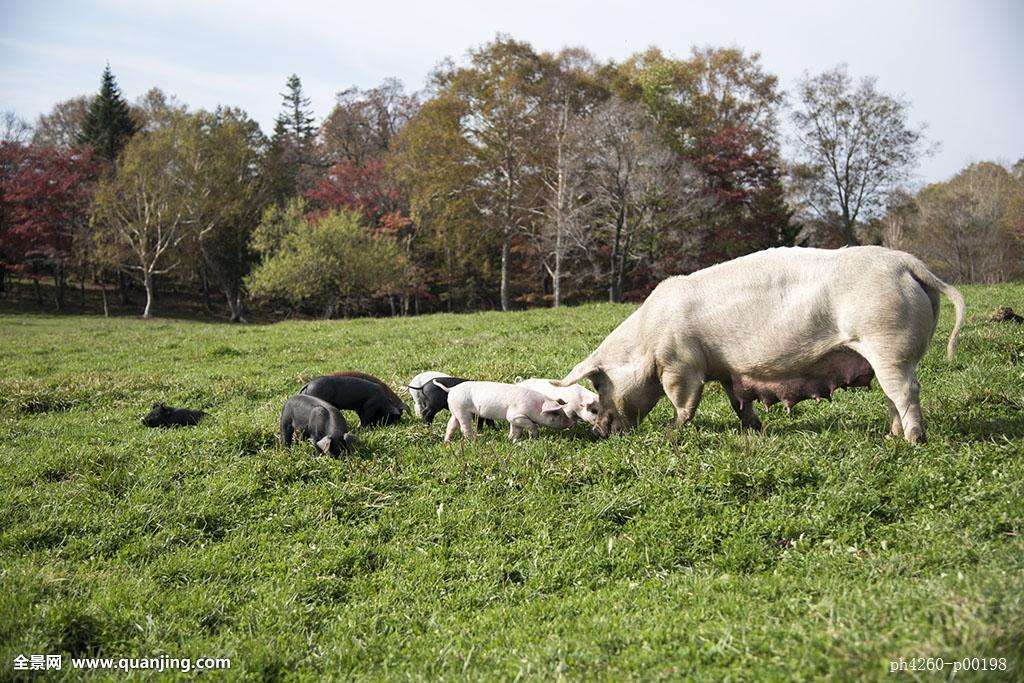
156,109
499,95
719,110
697,98
332,264
276,224
430,159
108,123
140,212
223,192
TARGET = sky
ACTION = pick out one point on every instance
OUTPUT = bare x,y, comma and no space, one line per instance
961,64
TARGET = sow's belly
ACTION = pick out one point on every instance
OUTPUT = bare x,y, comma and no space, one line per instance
840,369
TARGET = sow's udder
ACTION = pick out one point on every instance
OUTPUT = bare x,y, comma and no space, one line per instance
836,370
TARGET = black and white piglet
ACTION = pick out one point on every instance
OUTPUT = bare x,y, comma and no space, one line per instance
434,399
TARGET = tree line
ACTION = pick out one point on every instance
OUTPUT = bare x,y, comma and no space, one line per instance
515,178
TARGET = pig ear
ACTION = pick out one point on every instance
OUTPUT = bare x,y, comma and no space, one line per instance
324,444
584,369
551,406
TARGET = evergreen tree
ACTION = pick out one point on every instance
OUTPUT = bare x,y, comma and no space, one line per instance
289,163
297,118
280,168
108,122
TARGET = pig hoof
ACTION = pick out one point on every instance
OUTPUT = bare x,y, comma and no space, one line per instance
753,425
674,434
915,435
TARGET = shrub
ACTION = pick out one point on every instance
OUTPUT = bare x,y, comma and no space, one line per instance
332,263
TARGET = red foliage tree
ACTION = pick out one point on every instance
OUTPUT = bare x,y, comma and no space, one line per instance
45,195
746,185
365,188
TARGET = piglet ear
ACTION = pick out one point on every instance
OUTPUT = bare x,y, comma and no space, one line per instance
551,406
324,444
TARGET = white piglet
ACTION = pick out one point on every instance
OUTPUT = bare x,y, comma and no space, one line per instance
524,409
580,403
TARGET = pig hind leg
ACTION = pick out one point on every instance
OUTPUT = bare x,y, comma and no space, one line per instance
893,351
895,423
898,380
466,420
453,426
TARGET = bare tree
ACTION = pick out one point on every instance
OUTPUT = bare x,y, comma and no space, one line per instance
363,122
572,94
62,127
13,128
636,184
897,225
855,143
501,98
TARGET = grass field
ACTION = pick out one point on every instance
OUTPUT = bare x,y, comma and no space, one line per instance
821,548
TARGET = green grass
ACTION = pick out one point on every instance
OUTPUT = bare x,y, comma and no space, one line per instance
821,548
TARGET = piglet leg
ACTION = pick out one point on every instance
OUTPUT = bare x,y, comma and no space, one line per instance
453,426
516,427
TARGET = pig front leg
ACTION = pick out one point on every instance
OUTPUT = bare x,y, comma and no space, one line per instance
520,424
287,429
684,387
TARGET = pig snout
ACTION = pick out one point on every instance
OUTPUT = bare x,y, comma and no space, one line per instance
609,423
562,421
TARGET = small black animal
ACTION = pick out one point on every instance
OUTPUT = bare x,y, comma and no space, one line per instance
319,422
436,399
367,398
161,415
